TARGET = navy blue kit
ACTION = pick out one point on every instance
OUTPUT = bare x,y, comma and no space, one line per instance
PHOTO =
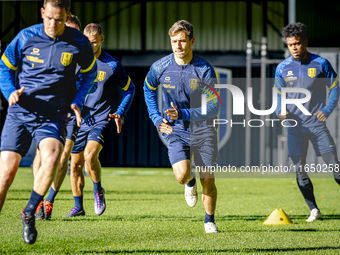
314,74
46,69
193,133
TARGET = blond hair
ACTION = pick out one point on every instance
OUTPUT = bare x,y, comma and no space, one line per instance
93,29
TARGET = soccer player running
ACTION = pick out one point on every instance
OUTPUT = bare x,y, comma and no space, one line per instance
44,209
98,115
45,57
183,77
312,72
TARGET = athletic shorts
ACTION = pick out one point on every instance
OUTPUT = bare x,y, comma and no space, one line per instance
204,150
20,128
98,132
72,129
298,140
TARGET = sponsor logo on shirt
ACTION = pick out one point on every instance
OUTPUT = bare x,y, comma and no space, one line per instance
291,79
290,73
168,86
35,59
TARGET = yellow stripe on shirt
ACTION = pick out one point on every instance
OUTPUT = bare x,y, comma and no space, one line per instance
277,89
7,63
334,83
89,68
127,84
149,85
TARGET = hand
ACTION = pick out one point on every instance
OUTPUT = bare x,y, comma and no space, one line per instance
14,96
77,113
165,128
118,121
283,117
172,113
321,116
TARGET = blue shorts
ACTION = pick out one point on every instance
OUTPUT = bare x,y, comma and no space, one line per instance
72,129
298,140
98,132
20,128
204,149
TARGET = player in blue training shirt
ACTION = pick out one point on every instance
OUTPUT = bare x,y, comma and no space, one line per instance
309,71
44,209
98,115
45,57
183,77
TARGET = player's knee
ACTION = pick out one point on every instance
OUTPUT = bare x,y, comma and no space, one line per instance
208,183
49,162
182,178
90,159
6,177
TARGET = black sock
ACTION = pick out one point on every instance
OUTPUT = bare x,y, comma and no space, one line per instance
192,182
97,187
33,202
78,202
209,218
51,195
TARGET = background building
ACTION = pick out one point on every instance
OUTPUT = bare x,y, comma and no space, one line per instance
136,33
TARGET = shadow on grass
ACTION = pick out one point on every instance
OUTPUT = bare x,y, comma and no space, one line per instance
263,217
109,192
215,251
133,218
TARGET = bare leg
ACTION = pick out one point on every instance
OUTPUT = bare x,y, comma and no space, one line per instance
63,166
36,162
77,175
182,171
91,154
9,163
209,192
50,153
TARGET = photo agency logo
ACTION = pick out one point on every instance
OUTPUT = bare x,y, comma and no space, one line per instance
238,105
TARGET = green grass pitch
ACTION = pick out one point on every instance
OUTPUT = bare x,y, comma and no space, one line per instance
147,213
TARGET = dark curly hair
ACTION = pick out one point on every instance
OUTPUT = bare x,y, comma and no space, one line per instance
295,29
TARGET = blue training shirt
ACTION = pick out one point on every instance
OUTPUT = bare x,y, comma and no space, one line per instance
46,68
313,73
99,104
183,85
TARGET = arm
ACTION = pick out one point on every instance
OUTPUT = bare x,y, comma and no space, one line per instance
150,93
8,65
125,82
333,85
279,83
87,73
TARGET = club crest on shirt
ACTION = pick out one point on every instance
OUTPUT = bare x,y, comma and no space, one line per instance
311,72
66,58
193,84
101,75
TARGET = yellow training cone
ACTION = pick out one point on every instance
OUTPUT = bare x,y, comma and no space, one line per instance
277,217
